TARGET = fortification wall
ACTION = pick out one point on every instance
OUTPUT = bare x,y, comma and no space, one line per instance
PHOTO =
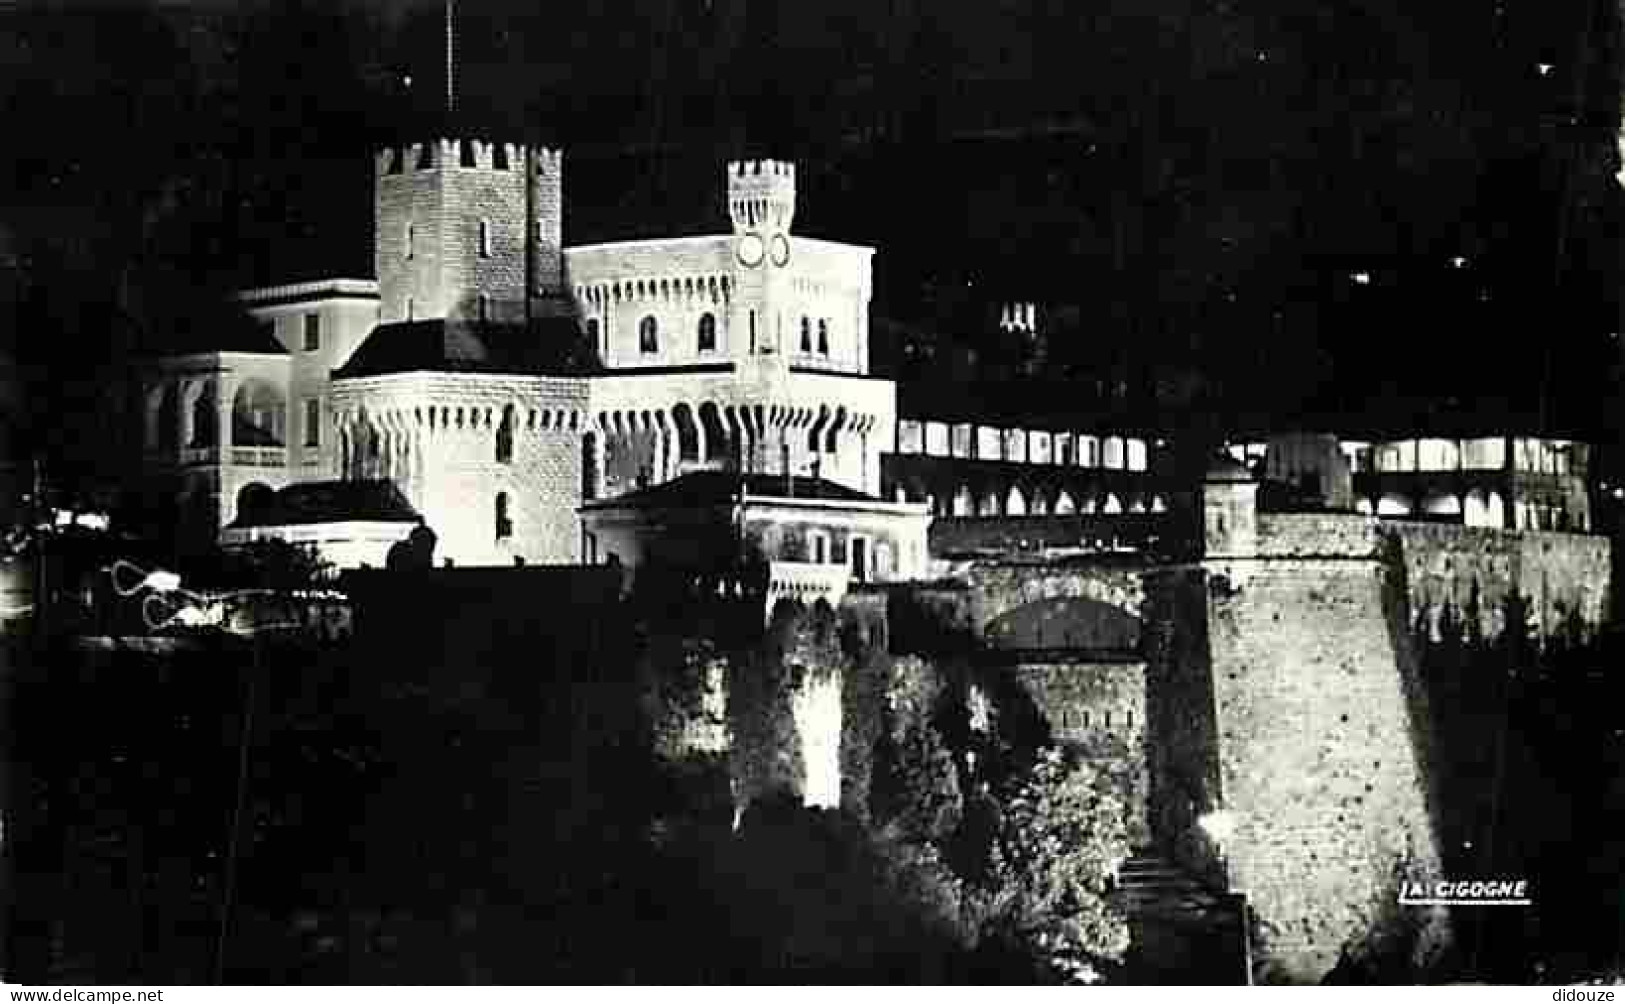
1318,535
1321,759
1098,709
1181,732
448,468
1455,572
1035,534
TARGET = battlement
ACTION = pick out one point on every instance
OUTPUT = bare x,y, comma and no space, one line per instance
465,154
761,194
1019,317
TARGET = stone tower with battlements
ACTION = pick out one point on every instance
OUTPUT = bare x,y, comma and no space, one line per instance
468,230
761,198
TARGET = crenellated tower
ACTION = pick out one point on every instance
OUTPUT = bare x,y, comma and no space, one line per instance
467,230
761,198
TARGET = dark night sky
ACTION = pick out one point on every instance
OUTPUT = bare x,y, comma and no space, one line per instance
1200,178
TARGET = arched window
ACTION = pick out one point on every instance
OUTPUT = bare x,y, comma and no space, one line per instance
823,337
258,415
169,417
485,239
505,436
205,419
806,335
648,335
504,524
708,333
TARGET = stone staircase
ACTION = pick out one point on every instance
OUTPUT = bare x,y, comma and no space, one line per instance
1182,930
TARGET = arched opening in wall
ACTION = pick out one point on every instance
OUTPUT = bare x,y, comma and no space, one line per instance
1040,503
1065,622
1113,505
806,336
1136,454
1015,502
1495,510
1064,504
258,415
688,433
504,523
1088,451
823,337
589,466
1442,505
504,437
1137,505
205,418
1112,453
255,501
707,338
1363,506
1090,505
1437,455
717,444
963,505
169,418
835,427
885,562
1393,505
989,505
1159,504
648,335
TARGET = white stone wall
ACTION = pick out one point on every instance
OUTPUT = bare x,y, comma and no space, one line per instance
676,281
348,310
442,431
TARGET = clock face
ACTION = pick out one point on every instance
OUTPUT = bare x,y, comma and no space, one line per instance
781,250
750,250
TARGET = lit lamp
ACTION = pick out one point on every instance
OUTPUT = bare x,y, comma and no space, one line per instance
1219,826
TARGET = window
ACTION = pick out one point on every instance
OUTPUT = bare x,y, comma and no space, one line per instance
504,524
485,239
592,330
313,332
820,549
411,313
823,337
505,436
648,336
753,332
411,240
806,335
484,303
708,333
313,421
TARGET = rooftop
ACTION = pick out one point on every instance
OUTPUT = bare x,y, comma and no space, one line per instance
549,345
699,489
332,502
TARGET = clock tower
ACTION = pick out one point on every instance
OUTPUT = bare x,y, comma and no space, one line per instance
762,204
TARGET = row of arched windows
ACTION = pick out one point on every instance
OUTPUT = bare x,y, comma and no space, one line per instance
807,336
649,334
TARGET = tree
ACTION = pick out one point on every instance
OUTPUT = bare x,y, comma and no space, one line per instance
1058,841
